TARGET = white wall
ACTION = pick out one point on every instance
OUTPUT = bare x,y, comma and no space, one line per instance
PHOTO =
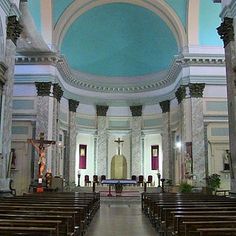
88,140
149,140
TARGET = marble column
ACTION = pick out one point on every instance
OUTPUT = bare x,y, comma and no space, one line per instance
57,94
227,34
136,140
198,144
71,144
183,126
167,167
13,32
102,143
43,119
3,69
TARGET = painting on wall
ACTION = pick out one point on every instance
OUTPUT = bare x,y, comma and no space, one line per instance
155,157
82,156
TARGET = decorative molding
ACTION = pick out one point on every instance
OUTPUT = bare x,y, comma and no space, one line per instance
101,110
73,104
14,29
159,82
165,106
196,90
136,110
226,30
43,88
3,69
57,92
180,93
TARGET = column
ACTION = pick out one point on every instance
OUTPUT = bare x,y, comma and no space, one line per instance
167,167
13,32
57,94
136,140
71,144
102,145
184,127
198,144
3,68
226,32
43,119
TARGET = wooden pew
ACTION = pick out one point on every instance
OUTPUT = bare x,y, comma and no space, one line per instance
190,227
217,231
31,231
74,210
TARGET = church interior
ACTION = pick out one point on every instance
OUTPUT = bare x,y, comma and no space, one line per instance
138,92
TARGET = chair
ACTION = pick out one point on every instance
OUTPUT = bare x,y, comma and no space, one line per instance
140,180
149,181
87,182
95,179
103,177
134,177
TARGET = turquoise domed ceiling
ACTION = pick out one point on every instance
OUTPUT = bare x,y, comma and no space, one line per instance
119,40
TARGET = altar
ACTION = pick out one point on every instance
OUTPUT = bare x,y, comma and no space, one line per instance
118,182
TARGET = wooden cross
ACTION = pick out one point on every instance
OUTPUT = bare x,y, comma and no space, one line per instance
40,148
119,141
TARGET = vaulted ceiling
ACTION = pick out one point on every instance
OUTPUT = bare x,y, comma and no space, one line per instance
122,51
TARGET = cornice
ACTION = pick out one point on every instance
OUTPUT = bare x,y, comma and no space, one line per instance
9,8
144,91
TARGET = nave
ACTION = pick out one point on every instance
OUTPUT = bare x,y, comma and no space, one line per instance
120,217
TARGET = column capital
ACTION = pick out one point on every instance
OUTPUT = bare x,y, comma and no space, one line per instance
14,28
136,110
43,88
73,104
196,90
226,30
57,92
180,93
165,106
101,110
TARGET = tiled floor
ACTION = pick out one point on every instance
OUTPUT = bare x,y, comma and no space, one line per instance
120,218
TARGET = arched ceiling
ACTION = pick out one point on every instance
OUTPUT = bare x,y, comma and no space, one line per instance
118,40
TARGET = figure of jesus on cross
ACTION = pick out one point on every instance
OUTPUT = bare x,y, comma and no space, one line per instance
119,141
40,146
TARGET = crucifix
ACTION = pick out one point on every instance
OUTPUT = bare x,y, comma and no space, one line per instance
40,146
119,141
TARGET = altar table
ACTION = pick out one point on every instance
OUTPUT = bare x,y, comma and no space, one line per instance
117,181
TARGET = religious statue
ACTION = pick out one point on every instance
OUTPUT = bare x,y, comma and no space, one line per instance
188,165
226,160
41,150
13,158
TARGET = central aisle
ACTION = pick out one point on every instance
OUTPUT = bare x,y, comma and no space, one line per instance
120,217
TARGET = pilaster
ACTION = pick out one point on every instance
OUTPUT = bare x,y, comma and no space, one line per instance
166,140
102,144
72,133
57,94
226,32
198,144
136,140
43,119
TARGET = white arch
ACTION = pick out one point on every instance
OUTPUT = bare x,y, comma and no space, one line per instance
159,7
